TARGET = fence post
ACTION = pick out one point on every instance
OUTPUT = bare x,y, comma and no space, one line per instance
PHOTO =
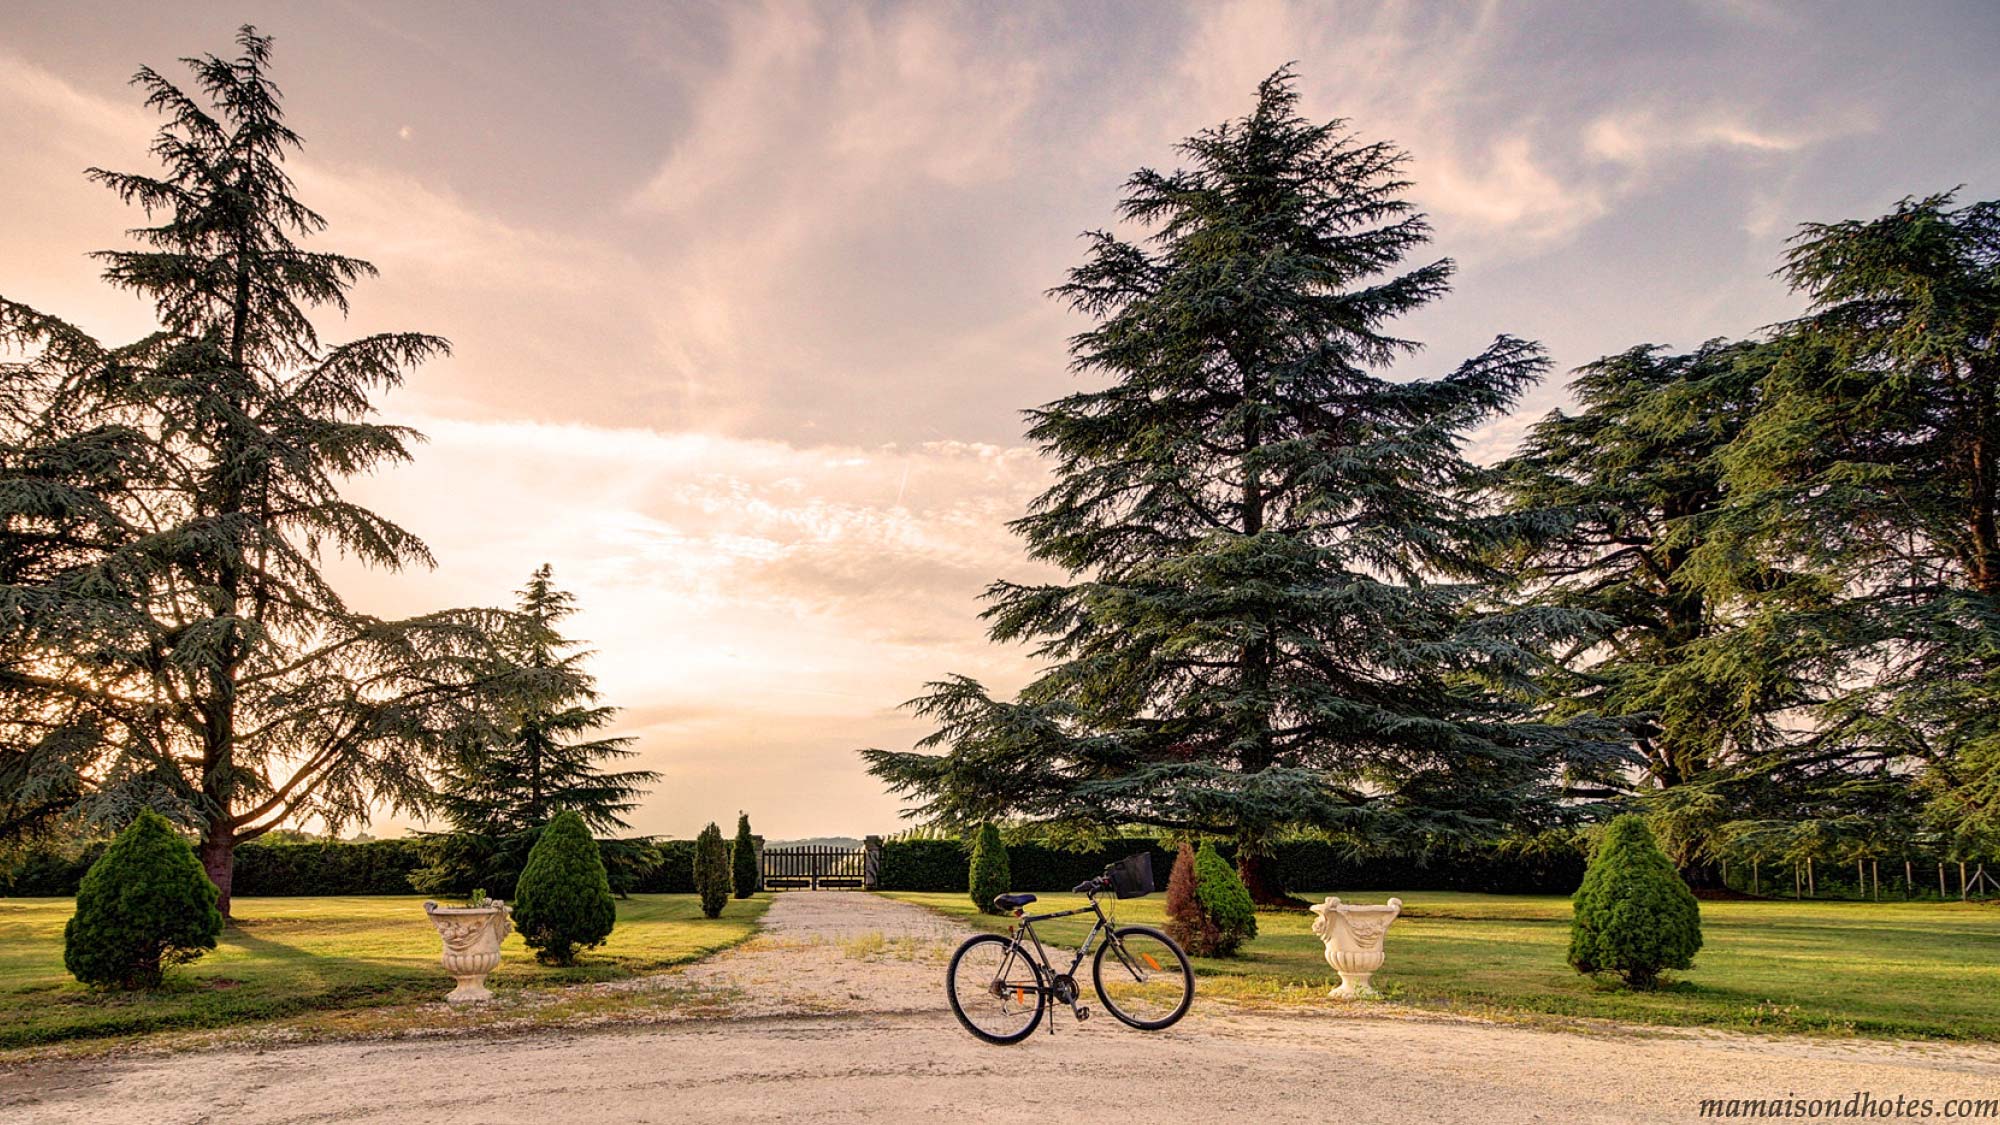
871,862
757,847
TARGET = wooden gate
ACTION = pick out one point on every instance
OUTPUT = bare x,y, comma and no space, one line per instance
815,867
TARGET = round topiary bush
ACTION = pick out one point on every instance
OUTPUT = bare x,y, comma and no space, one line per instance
1634,916
743,859
711,870
1208,908
145,904
562,902
989,875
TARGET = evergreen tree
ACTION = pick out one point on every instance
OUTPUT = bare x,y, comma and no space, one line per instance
743,872
144,904
989,875
538,758
563,900
711,870
1275,552
1861,528
168,638
1633,915
1617,496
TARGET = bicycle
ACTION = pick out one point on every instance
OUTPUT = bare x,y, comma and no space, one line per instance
999,989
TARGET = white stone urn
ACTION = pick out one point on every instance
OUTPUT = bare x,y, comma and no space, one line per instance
1354,938
471,944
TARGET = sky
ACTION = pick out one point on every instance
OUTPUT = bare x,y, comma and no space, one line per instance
746,299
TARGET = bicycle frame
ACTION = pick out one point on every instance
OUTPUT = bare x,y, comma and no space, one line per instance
1026,926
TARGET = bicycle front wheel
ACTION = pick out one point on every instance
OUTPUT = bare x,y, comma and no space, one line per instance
1143,978
995,989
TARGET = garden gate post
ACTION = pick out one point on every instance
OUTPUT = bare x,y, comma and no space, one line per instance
871,862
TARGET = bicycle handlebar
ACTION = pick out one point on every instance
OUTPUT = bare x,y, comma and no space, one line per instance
1091,886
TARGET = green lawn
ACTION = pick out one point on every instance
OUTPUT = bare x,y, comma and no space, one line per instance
1927,970
284,956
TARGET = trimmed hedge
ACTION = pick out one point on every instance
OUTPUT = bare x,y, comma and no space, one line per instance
370,867
383,867
1305,865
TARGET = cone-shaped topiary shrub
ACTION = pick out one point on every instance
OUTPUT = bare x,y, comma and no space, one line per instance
989,875
562,902
145,904
1634,916
743,859
1208,908
1187,923
711,870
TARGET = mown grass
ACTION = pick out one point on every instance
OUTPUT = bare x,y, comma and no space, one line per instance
282,957
1924,970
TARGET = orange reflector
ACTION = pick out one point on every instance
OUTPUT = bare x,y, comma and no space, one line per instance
1150,961
1020,997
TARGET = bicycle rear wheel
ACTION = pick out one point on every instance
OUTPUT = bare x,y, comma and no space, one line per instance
1143,978
995,989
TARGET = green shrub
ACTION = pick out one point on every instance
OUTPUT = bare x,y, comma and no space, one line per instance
743,859
1634,916
562,902
145,904
989,875
1208,908
711,870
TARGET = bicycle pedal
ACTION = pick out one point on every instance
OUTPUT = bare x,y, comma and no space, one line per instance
1082,1014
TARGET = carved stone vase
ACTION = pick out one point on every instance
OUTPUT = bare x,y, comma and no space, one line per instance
1354,939
471,944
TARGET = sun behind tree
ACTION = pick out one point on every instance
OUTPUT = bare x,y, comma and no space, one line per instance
177,645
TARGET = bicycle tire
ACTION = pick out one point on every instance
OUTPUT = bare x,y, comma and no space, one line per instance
1186,975
965,1021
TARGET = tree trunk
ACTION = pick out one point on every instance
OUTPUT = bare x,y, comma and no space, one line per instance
1703,875
1260,877
218,858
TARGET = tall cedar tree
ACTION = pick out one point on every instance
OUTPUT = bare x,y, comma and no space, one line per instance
1274,552
539,760
1865,495
167,637
1617,495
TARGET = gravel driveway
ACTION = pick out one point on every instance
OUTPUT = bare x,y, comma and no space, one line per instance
840,1016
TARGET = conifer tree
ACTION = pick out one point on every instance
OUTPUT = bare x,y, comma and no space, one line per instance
145,904
563,901
1633,915
1861,528
989,874
538,758
711,870
743,873
168,638
1274,612
1616,496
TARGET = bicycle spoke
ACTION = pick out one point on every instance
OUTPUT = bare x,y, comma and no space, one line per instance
1143,980
995,989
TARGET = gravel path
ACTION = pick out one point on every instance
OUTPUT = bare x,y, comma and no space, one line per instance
840,1017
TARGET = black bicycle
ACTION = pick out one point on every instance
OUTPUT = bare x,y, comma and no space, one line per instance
1000,987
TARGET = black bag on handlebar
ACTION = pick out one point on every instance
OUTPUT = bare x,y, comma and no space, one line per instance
1132,877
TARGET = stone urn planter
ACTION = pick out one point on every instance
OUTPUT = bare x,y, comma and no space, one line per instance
1354,939
471,944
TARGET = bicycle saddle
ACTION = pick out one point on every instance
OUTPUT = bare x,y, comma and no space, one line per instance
1010,902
